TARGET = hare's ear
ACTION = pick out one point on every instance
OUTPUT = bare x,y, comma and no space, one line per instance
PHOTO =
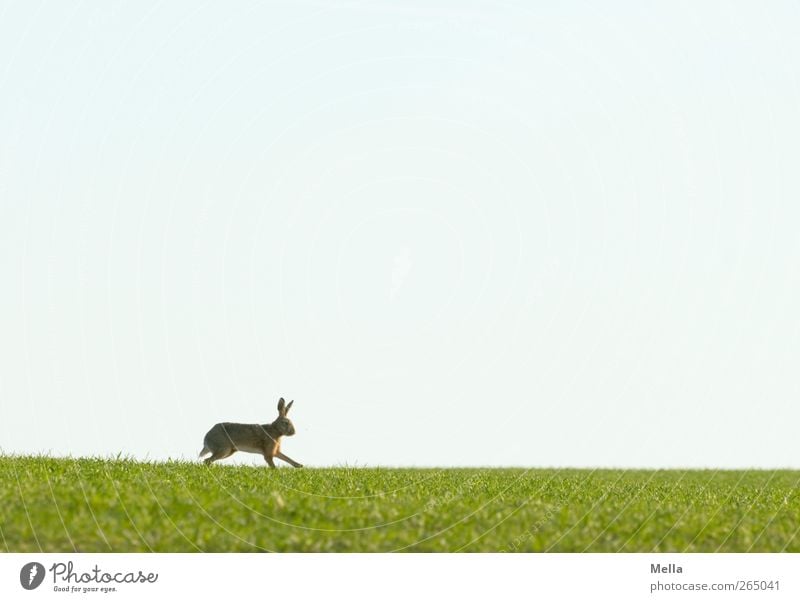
281,406
289,405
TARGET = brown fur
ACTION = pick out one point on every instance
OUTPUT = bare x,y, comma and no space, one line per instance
226,438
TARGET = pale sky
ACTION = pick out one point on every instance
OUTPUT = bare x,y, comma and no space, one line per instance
519,233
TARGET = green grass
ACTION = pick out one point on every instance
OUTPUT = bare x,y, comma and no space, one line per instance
96,505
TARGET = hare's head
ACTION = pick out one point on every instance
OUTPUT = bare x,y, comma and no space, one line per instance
282,424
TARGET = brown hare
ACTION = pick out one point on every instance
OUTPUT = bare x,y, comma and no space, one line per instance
225,438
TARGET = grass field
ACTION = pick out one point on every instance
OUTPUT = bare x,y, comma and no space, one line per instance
95,505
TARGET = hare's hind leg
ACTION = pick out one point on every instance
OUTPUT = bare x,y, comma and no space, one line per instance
219,455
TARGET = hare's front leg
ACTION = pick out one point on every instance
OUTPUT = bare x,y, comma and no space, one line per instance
269,460
286,458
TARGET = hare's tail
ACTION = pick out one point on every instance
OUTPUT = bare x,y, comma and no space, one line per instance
204,451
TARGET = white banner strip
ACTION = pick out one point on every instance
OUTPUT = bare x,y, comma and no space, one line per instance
400,577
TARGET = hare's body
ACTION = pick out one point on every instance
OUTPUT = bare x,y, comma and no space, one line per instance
232,437
226,438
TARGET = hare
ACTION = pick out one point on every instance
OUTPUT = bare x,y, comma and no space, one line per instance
225,438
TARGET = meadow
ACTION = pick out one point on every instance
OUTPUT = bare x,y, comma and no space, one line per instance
121,505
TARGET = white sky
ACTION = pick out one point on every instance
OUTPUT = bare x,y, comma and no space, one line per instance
511,234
